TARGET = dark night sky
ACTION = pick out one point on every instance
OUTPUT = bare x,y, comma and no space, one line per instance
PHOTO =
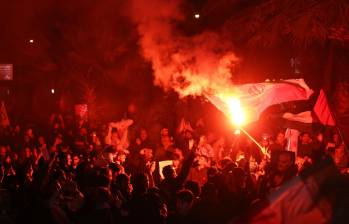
94,43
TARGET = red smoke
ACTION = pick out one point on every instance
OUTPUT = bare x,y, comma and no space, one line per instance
189,65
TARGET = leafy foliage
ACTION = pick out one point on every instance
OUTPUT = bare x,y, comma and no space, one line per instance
301,21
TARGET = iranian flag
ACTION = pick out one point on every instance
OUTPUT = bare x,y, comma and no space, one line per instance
257,97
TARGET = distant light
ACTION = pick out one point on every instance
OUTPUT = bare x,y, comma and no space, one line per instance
31,41
237,132
197,16
53,91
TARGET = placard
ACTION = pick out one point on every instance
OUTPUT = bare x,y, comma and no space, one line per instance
6,72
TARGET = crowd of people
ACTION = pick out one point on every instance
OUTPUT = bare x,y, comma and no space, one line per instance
117,174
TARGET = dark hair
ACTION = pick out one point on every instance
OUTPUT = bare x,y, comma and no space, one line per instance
204,156
185,196
209,190
212,172
102,180
139,182
167,171
115,167
121,178
193,186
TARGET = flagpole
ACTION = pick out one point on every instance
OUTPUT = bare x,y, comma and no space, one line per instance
254,140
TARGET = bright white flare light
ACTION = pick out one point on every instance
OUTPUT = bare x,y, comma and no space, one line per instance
237,114
197,16
31,41
53,91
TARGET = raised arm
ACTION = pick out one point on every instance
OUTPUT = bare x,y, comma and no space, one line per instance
183,174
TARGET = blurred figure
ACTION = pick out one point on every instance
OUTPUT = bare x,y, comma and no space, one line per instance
173,182
29,140
279,143
278,174
204,148
305,148
42,146
166,149
184,205
199,172
142,141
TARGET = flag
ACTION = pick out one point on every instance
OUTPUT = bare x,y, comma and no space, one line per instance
4,120
304,117
321,113
292,140
299,200
255,98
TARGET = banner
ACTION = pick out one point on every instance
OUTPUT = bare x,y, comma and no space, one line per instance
255,98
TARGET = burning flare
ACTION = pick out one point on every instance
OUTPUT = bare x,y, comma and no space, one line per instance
236,111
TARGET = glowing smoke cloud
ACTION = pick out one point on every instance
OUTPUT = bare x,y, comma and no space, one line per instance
189,65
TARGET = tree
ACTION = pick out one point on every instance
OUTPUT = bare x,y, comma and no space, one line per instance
302,23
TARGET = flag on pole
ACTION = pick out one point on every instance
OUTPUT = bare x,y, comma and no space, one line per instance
4,120
321,113
255,98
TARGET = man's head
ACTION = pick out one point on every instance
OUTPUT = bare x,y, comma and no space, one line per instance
265,142
320,137
27,152
336,138
121,157
3,151
143,134
169,172
41,140
166,141
76,160
202,161
305,138
284,161
17,129
176,160
123,183
68,159
280,138
56,125
29,132
184,201
140,183
203,140
147,154
194,187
